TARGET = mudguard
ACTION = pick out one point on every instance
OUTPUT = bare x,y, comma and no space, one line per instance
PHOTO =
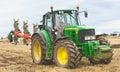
60,38
46,38
40,35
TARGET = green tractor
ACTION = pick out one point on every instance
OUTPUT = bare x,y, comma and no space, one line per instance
62,40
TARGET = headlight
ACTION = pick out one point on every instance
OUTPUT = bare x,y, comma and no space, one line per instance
89,37
93,37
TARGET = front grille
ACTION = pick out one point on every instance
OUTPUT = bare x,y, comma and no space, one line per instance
83,33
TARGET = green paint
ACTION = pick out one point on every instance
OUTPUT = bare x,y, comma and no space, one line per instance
91,49
49,43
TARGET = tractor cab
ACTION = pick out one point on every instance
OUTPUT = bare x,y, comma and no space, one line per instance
57,21
64,18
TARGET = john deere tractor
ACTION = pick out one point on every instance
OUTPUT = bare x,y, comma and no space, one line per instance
63,41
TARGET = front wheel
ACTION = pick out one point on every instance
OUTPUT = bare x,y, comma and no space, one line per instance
66,54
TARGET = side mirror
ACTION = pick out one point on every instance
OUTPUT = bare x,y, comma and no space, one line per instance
86,14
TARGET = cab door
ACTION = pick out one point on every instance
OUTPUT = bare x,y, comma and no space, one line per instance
49,25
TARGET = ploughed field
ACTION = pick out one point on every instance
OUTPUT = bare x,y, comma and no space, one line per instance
17,58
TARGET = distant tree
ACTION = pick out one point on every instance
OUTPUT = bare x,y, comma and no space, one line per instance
1,37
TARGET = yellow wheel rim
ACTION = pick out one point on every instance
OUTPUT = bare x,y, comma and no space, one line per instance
37,50
62,55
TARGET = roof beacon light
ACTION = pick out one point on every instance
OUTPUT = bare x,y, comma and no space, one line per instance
51,7
77,7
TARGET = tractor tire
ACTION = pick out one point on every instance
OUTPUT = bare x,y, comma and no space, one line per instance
102,40
66,54
38,50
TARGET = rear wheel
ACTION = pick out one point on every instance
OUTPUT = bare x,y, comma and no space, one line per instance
38,50
66,54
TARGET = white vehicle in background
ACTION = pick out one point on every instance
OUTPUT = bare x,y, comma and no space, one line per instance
115,34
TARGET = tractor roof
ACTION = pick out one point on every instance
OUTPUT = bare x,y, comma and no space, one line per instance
65,10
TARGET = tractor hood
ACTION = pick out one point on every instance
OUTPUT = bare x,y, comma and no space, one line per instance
80,33
77,28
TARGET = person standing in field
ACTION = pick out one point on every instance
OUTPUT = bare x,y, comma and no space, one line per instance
16,25
35,27
16,28
26,31
25,27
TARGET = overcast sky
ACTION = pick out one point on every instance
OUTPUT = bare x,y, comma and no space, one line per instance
103,15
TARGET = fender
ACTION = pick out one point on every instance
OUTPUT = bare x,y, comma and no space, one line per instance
60,38
49,44
40,35
46,38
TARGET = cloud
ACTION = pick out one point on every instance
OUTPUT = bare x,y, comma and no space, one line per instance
108,27
101,13
113,24
112,0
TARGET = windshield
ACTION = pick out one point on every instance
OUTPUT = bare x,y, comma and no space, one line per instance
67,19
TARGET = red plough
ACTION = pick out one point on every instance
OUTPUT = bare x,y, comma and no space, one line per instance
20,34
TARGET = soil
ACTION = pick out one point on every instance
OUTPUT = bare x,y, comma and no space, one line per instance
17,58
